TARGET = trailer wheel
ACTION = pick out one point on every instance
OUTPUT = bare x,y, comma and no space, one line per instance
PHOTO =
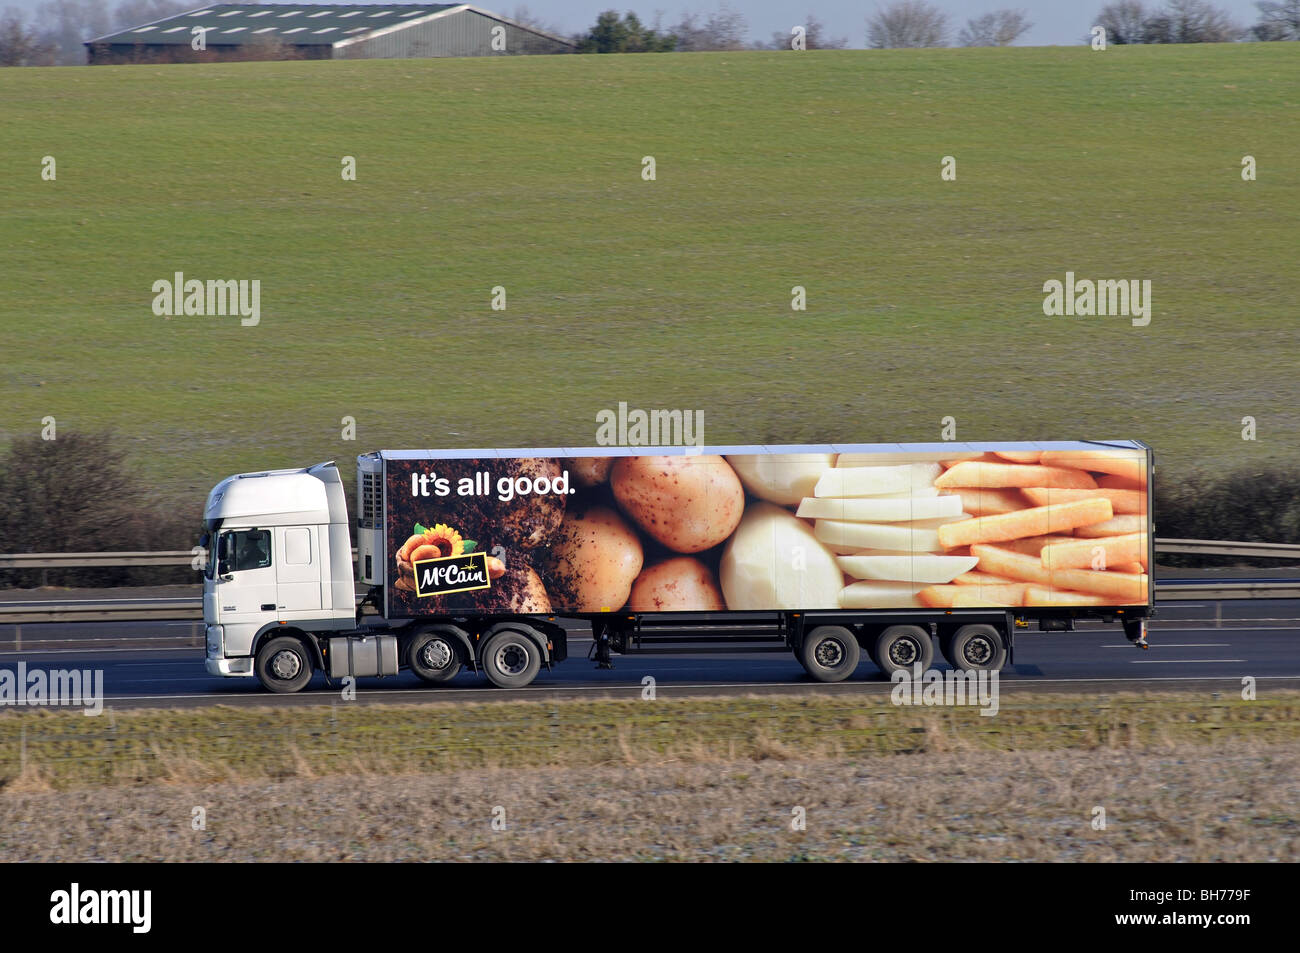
977,648
900,647
830,653
283,665
511,659
434,657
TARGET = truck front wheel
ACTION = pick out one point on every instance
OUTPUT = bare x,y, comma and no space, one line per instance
511,659
434,657
283,665
830,653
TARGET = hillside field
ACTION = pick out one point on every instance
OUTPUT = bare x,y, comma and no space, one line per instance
924,297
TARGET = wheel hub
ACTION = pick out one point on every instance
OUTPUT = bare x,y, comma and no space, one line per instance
829,653
512,658
436,654
286,665
903,652
978,651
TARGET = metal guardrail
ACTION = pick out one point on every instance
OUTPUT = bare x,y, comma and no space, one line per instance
186,557
191,609
186,609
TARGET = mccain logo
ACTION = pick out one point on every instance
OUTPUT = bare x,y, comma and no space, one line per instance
438,577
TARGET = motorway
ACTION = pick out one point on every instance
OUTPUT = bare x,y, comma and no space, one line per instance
1194,646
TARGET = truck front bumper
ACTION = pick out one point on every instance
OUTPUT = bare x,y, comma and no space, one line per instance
230,667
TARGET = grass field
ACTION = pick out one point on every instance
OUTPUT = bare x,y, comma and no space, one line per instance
1180,777
773,170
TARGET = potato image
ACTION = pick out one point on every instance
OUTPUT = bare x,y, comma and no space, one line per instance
681,584
593,559
784,478
688,503
775,562
590,471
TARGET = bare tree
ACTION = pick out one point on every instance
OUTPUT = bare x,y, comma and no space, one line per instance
525,17
1277,20
1190,21
723,29
814,38
20,45
67,24
1000,28
1122,21
907,23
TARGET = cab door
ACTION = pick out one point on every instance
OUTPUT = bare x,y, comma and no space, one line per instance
298,571
245,581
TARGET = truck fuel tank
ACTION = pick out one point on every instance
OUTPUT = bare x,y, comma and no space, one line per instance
363,655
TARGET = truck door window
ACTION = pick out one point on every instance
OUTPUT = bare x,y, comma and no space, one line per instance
245,549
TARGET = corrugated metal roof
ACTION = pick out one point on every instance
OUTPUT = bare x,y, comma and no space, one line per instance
230,24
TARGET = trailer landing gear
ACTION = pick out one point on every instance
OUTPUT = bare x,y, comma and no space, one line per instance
600,649
1135,630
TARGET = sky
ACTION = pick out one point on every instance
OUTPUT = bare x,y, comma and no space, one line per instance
1056,22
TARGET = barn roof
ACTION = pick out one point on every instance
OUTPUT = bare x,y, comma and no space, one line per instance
295,24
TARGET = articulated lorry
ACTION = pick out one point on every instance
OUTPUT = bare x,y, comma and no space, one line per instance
475,559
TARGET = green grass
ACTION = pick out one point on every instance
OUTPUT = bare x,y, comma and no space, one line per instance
66,749
774,169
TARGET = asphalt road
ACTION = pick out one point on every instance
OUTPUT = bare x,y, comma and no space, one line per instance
1193,646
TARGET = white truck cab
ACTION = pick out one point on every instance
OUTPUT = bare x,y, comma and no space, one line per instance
279,558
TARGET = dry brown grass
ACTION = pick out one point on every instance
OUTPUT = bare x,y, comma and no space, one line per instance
1177,802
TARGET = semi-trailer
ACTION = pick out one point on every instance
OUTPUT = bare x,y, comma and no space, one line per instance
476,559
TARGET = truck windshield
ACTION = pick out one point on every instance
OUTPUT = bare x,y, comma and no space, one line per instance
243,549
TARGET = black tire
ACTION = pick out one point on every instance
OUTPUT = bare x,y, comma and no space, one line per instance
900,647
868,643
436,657
978,648
945,647
830,653
283,665
511,659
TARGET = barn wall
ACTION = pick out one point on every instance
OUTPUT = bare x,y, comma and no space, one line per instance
461,34
104,54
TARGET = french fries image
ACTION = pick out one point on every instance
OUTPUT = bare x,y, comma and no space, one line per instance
1117,526
988,502
1082,553
1033,545
1124,588
998,529
1128,465
977,578
1042,596
1035,521
1122,501
980,475
957,596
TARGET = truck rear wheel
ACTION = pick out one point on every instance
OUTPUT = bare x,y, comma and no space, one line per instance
283,665
830,653
511,659
900,647
977,648
434,657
